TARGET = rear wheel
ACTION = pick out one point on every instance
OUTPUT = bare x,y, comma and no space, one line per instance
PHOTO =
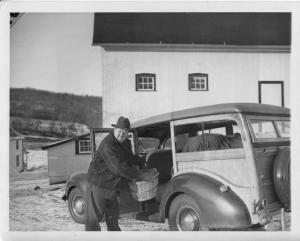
281,175
76,204
184,214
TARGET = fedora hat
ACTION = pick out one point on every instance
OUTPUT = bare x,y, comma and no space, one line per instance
123,123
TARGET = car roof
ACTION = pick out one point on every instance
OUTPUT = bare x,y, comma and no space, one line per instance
247,108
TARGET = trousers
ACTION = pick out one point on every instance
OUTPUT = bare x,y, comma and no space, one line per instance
101,203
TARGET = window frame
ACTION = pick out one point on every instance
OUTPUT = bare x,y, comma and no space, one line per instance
190,79
224,154
203,120
147,75
79,145
279,138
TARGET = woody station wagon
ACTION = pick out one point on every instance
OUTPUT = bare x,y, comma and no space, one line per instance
221,167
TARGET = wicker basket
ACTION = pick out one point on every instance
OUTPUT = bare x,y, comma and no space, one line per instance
145,189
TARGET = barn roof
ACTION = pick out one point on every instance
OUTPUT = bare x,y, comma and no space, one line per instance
64,141
214,28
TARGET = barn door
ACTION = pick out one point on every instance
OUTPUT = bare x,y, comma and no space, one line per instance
271,92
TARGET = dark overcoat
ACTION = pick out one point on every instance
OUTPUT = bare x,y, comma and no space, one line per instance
112,161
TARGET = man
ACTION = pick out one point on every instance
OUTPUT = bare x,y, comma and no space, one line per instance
113,160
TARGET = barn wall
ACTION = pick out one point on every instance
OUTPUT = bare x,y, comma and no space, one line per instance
62,162
232,77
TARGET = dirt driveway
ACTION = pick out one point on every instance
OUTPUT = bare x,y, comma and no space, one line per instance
44,210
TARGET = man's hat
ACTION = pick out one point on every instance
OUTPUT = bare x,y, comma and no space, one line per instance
123,123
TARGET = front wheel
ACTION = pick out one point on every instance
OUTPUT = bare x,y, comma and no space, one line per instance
184,214
76,204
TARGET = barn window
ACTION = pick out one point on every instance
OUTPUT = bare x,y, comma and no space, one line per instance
198,81
84,146
145,82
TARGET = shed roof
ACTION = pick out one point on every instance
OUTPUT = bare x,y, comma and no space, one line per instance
217,28
64,141
249,108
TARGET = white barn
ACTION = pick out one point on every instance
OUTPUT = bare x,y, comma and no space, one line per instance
159,62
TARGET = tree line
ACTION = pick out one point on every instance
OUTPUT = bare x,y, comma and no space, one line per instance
64,107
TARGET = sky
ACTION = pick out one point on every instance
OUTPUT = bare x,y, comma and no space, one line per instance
54,52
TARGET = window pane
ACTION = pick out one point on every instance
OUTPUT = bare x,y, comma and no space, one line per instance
284,128
145,82
197,79
213,137
146,144
198,82
263,129
84,146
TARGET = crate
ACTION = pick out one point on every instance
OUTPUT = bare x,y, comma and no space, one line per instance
145,189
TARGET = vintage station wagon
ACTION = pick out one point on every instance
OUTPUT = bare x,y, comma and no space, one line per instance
221,167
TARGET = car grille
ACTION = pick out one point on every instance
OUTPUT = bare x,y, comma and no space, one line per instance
266,158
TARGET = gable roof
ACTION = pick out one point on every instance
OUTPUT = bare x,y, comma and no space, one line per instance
65,141
248,28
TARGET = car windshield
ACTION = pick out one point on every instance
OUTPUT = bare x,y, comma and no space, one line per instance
267,128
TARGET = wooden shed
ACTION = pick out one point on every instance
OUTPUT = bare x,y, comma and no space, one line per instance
67,157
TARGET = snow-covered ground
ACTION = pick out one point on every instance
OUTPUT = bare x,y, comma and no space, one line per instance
44,210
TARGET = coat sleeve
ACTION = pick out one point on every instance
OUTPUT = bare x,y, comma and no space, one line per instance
115,164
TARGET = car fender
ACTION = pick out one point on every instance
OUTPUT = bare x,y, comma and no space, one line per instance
79,180
220,206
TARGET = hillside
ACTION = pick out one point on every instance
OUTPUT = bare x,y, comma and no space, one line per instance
45,105
44,117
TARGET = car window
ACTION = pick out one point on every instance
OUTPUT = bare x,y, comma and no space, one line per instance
283,128
208,136
180,141
263,129
146,144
